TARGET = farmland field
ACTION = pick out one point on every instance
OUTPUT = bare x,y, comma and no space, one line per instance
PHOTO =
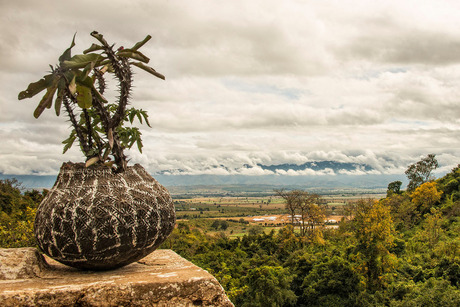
244,213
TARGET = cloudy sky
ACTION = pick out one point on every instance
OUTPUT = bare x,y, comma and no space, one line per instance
250,82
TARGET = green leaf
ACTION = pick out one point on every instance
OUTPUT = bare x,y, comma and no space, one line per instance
138,114
141,43
69,142
98,95
60,95
47,100
139,145
149,70
36,87
88,68
84,80
84,97
109,164
58,101
133,54
94,47
145,115
105,62
67,54
107,151
131,115
110,68
69,75
81,60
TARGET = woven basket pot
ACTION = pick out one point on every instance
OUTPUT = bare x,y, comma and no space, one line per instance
96,219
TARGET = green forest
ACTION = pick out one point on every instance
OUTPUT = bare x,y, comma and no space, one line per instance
401,250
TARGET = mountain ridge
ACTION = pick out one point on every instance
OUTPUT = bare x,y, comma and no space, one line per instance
315,174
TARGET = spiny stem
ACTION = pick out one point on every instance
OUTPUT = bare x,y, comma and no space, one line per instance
73,120
88,127
100,81
123,73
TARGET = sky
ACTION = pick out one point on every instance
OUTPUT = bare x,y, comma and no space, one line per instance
249,82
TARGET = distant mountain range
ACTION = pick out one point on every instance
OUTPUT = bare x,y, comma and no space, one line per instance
325,181
319,174
337,176
318,166
334,166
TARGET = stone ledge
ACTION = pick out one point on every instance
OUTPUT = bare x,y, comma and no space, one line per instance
163,278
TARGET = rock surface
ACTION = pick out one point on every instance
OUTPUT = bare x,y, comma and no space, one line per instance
163,278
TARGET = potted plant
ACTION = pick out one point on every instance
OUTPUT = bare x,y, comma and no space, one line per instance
100,214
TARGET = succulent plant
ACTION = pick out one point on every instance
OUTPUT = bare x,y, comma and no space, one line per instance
77,85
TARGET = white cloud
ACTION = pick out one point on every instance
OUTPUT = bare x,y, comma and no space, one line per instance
247,83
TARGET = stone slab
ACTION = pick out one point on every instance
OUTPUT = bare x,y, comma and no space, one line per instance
163,278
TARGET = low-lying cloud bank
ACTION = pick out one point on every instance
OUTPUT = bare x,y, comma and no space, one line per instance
279,163
312,169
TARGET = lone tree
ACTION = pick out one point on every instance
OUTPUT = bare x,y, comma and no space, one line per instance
78,82
311,213
306,206
420,172
293,199
394,188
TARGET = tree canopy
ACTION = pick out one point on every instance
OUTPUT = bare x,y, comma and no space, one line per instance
421,171
401,250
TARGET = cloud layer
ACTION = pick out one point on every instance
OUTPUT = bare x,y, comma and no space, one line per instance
251,82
